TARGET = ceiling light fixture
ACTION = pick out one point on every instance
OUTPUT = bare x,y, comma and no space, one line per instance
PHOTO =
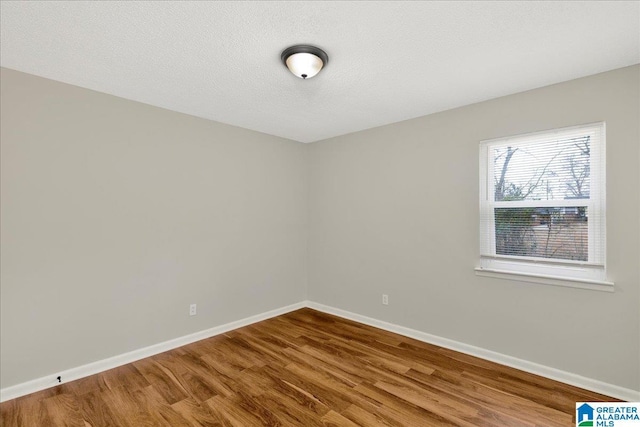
304,61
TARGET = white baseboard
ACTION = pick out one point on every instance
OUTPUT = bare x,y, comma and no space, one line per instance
73,374
503,359
122,359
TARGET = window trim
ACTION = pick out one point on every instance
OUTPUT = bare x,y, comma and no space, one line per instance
594,285
590,274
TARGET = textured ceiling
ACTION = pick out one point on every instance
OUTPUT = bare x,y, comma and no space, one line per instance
388,61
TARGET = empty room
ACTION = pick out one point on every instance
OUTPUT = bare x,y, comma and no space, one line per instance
310,213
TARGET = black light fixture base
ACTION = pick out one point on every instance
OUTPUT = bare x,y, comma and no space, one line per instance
304,48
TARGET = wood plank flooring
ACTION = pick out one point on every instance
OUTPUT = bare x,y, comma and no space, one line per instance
304,368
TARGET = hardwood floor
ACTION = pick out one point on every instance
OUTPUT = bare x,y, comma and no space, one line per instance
304,368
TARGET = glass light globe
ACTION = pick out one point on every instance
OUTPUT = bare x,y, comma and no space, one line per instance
304,65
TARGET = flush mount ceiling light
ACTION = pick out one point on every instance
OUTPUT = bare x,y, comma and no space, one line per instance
304,61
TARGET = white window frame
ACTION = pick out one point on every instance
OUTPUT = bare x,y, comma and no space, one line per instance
590,274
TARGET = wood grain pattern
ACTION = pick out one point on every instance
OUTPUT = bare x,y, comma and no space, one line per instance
304,368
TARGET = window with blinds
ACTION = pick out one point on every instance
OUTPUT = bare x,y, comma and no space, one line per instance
542,203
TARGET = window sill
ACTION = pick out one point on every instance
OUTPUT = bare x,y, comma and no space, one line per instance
547,280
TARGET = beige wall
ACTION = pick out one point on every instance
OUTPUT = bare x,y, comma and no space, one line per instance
117,215
395,210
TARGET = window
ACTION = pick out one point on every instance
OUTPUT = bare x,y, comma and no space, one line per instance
542,205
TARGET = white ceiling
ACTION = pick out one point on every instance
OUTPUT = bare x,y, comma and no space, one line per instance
388,61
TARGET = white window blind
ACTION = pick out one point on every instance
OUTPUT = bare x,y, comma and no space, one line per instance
542,203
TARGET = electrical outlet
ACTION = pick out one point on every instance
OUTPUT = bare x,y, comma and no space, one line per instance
192,310
385,299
